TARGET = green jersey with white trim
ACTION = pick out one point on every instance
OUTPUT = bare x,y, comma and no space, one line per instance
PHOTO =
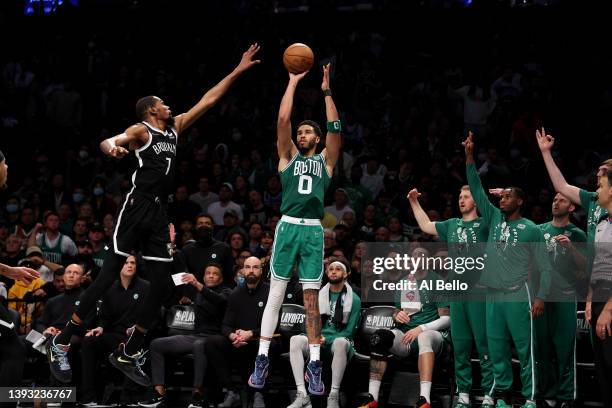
304,180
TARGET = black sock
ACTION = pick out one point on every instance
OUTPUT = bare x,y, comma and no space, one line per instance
67,332
134,343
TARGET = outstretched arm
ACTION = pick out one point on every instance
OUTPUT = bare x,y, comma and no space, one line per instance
546,143
480,197
135,135
425,224
284,143
333,141
212,96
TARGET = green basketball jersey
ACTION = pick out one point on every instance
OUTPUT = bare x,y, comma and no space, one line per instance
565,271
304,180
466,239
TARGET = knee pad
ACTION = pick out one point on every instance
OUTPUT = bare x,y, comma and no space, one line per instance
380,343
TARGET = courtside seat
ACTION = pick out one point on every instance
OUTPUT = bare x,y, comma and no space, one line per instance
372,319
290,323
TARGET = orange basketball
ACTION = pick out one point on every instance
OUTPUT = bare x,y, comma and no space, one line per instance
298,58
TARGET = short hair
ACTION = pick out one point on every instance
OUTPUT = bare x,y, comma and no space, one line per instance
608,174
607,163
143,105
315,126
519,192
216,265
48,214
465,187
205,215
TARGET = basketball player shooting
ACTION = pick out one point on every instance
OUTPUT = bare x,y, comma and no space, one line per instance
142,221
299,235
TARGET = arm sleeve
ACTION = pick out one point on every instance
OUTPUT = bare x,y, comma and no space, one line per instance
442,229
486,209
441,323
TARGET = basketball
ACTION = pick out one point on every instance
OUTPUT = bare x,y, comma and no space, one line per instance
298,58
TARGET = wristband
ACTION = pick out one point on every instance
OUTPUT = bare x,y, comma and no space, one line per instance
327,92
334,126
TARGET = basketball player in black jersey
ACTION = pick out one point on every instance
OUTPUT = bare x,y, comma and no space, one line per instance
142,221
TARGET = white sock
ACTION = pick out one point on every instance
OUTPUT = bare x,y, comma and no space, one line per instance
264,347
315,352
464,397
426,389
551,403
334,390
302,388
374,388
488,400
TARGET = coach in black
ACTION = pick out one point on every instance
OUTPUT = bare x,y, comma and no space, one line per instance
238,342
142,220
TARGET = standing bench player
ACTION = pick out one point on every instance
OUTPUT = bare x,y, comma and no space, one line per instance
142,221
299,235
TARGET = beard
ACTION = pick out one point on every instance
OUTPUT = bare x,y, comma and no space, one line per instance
252,279
336,281
305,149
170,121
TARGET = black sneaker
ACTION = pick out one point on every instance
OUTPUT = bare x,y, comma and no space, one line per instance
57,354
131,366
158,401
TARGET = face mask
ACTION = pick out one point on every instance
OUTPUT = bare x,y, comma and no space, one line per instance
78,197
83,154
98,191
240,280
12,208
204,235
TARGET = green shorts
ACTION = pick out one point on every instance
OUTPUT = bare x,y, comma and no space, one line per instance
298,242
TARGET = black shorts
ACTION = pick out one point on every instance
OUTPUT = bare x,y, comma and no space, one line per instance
142,224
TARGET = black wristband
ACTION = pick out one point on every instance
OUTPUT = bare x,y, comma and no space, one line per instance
327,92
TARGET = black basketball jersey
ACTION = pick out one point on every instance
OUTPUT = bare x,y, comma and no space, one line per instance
155,162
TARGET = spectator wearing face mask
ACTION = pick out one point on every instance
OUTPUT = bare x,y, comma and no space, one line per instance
101,203
196,255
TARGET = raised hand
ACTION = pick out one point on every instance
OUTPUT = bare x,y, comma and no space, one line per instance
468,145
325,83
413,194
297,77
545,142
247,60
497,192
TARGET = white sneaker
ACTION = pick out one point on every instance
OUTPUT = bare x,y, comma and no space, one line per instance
232,399
333,400
301,401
